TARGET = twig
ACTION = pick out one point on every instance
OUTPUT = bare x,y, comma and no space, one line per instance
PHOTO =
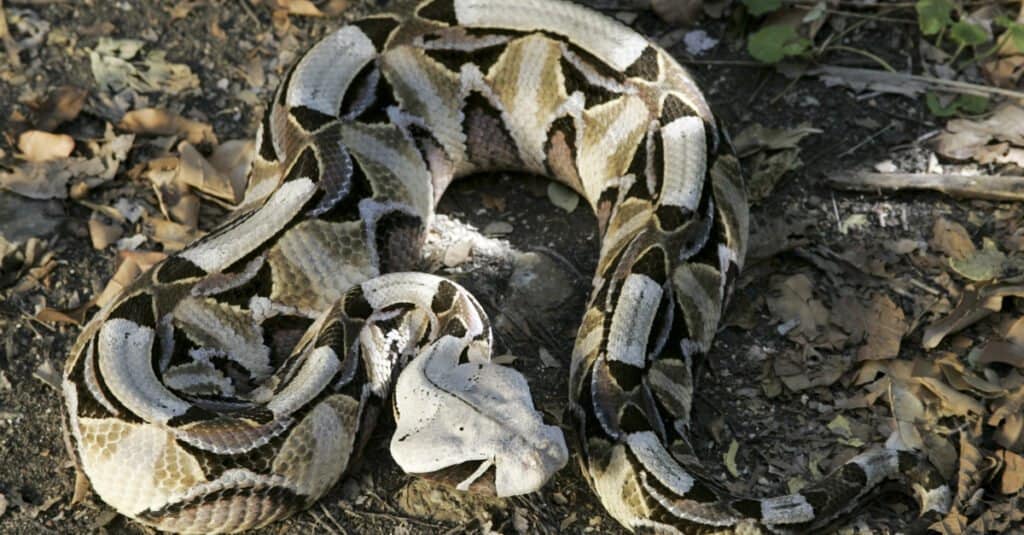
9,44
341,529
866,140
991,187
908,84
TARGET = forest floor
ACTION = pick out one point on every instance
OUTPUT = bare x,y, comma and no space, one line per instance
822,352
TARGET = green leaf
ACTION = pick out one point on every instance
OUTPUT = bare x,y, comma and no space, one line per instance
972,104
968,34
760,7
937,108
773,43
1016,31
933,15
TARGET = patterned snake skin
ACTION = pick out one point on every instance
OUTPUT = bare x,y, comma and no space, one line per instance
234,383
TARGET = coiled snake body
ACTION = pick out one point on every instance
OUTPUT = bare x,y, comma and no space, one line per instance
232,384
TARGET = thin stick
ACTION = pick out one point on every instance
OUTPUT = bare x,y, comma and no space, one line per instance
990,187
911,83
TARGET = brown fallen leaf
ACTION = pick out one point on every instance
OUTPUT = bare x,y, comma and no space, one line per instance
63,104
951,238
792,302
102,233
964,137
1002,352
197,172
173,236
976,302
39,146
154,121
132,264
886,325
233,160
1012,479
306,8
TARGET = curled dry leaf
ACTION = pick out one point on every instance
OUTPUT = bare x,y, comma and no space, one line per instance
196,171
102,233
963,138
975,303
132,264
49,180
39,146
173,236
233,159
1011,481
154,121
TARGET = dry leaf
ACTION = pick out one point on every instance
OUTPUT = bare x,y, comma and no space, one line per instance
63,104
757,137
677,11
194,170
306,8
886,326
233,159
964,137
975,303
1012,479
132,264
39,146
115,68
160,122
793,303
951,238
102,233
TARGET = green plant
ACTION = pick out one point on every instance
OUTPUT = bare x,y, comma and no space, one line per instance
772,44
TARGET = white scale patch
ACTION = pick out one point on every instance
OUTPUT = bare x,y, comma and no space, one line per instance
685,162
323,75
789,509
221,250
631,323
653,456
121,344
315,374
605,38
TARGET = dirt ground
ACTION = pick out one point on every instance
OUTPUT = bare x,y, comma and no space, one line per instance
782,435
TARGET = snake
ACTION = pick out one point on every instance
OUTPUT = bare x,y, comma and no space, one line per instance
235,382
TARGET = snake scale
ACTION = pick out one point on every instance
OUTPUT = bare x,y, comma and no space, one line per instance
235,382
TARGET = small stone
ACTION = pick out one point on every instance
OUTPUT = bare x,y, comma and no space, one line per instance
498,228
458,253
559,498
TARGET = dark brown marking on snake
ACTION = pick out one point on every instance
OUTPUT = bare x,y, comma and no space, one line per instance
442,11
309,119
177,268
672,108
136,309
489,143
378,29
575,81
267,151
646,66
453,59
